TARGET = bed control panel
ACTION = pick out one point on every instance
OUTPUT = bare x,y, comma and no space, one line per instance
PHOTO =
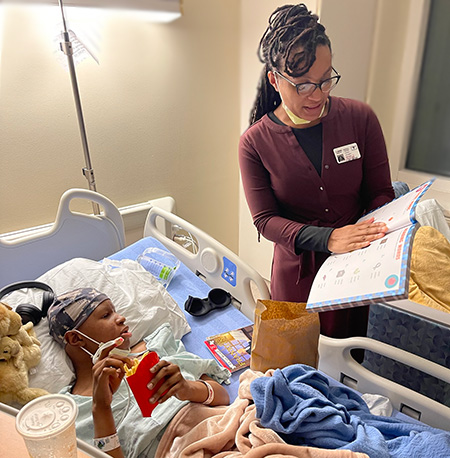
229,272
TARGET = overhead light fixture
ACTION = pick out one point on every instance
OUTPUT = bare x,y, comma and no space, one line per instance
146,10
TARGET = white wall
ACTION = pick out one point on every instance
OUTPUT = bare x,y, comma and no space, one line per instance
389,53
350,24
395,101
161,112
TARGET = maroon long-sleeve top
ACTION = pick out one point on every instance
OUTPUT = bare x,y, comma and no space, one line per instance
284,190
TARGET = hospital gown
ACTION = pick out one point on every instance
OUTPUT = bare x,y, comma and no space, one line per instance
140,436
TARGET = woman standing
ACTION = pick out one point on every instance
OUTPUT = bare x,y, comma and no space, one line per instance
311,164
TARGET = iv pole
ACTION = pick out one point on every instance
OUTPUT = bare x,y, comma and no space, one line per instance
88,171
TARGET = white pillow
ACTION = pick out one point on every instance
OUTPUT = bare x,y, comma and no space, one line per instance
135,293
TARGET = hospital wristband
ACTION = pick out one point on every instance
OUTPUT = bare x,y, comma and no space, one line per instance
210,397
108,443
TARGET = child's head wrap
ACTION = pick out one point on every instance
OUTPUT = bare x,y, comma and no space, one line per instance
71,310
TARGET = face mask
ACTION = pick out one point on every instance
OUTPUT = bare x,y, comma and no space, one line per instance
296,119
101,346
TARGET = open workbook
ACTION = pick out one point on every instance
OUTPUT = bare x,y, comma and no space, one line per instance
377,273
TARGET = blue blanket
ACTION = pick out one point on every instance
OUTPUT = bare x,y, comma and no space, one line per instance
299,404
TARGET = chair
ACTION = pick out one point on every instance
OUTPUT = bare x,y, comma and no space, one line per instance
72,235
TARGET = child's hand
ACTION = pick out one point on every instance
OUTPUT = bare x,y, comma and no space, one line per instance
174,383
108,373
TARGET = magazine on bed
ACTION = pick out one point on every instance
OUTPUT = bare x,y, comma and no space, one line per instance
377,273
232,349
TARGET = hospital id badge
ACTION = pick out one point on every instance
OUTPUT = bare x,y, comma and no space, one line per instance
347,153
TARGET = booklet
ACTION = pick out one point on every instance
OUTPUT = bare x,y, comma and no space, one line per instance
377,273
232,349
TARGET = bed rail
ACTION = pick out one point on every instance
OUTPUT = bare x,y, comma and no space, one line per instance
71,235
217,265
335,358
336,361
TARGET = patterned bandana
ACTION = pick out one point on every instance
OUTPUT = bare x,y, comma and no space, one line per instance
71,310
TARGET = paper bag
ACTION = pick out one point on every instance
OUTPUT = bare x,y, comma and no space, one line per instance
284,333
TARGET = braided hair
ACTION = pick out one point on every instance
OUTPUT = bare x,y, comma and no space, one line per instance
288,45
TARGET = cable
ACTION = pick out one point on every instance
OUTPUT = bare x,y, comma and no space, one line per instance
186,241
128,404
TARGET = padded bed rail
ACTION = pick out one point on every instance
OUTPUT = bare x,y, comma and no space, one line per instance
336,361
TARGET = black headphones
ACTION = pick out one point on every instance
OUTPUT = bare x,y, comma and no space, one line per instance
29,312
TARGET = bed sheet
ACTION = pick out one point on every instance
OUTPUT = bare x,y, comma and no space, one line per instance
183,285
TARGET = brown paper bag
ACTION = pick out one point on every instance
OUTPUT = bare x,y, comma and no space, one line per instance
284,333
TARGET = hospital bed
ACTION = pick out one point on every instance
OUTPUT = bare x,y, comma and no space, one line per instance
211,263
205,264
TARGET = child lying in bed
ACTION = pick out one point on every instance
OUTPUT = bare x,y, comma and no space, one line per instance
81,320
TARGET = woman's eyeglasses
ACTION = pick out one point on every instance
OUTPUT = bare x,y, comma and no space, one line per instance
308,88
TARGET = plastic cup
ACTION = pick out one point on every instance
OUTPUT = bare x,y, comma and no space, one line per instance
47,425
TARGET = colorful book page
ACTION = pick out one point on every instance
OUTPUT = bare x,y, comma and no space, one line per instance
377,273
401,211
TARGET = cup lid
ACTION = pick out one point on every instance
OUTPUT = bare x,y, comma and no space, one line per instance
46,416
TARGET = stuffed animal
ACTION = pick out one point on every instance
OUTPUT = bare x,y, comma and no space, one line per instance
10,322
11,325
19,352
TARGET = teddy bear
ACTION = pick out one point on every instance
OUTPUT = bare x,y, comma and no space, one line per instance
19,352
11,325
14,374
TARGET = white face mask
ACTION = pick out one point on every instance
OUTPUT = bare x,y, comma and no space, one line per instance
101,346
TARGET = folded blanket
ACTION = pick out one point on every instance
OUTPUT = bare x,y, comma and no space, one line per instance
299,404
430,254
232,432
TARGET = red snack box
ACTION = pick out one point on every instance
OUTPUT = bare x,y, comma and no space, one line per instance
140,379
